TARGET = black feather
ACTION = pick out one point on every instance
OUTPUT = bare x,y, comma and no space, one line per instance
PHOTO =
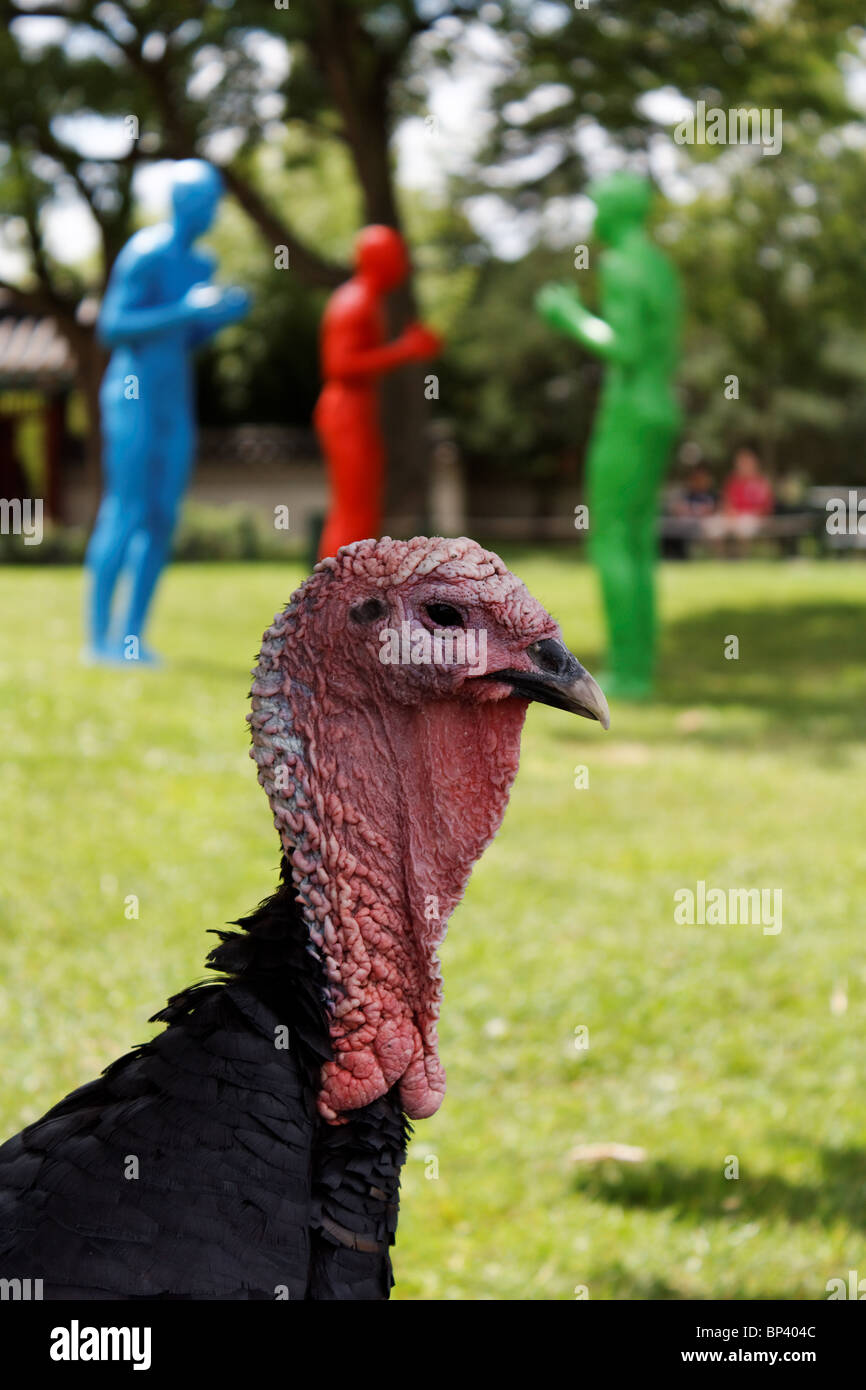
242,1190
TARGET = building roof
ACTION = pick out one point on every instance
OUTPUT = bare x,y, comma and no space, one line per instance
33,353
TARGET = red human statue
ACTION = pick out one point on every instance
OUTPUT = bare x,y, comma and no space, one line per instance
354,354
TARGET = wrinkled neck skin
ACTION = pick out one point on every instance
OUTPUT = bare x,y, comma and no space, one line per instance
382,811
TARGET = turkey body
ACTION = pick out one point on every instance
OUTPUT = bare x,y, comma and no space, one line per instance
197,1166
253,1149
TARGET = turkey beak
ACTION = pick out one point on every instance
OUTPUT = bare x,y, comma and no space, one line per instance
582,695
558,680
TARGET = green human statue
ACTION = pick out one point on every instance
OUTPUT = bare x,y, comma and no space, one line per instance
638,337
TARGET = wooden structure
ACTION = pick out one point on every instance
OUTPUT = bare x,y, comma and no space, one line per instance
37,372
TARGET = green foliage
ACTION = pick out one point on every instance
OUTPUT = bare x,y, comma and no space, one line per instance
776,297
519,397
768,250
575,67
303,100
266,369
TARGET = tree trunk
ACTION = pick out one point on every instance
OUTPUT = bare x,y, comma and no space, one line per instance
359,87
90,360
405,411
406,423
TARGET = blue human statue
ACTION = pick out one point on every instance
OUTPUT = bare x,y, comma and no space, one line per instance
159,305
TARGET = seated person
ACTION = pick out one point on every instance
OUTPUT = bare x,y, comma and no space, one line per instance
693,501
747,497
698,497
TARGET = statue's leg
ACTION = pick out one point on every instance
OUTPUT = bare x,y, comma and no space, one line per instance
656,443
610,548
356,465
626,467
121,513
168,481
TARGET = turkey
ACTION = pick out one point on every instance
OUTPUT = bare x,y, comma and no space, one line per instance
252,1149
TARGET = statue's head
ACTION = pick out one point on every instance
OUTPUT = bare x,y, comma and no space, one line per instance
381,257
622,201
196,189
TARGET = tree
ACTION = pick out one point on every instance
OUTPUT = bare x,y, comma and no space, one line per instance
257,86
773,265
768,252
568,70
186,77
38,166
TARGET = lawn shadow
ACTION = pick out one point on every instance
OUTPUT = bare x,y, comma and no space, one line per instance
701,1194
651,1288
797,670
795,663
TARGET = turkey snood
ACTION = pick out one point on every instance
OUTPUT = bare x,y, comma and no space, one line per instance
388,779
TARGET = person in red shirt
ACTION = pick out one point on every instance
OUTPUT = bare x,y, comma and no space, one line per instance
747,492
747,497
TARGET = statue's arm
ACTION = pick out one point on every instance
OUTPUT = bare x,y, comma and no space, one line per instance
228,306
616,338
202,330
593,333
346,355
124,318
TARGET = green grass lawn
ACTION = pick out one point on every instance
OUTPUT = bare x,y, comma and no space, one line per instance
705,1041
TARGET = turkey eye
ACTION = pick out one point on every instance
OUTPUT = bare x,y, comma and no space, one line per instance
368,611
443,615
